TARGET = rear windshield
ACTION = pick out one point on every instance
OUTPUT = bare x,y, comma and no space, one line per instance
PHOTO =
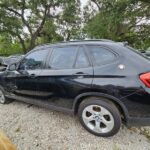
138,52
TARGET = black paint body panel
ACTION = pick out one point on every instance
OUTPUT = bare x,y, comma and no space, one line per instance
68,86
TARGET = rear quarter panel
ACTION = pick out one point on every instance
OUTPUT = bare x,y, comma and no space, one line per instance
124,84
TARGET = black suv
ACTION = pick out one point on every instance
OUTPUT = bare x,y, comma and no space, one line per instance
102,81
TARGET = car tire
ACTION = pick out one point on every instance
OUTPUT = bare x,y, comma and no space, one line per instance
3,99
99,116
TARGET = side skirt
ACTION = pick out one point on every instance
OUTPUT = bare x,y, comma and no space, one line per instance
138,121
41,103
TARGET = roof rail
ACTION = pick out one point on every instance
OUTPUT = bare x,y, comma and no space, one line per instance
82,40
77,40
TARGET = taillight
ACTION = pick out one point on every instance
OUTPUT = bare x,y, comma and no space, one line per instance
145,78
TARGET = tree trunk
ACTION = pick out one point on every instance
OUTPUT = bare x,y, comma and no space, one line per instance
22,42
32,42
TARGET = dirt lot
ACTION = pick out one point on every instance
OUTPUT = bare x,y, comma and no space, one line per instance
34,128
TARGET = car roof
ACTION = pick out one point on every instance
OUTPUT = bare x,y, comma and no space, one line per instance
80,42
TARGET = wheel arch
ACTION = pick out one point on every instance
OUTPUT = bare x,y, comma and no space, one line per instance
113,99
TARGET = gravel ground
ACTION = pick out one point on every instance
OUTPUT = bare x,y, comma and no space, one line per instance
34,128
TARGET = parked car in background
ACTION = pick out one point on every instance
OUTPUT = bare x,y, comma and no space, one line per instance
147,53
105,83
144,52
2,65
5,61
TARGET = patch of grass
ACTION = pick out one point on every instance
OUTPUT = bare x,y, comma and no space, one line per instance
143,131
146,133
18,129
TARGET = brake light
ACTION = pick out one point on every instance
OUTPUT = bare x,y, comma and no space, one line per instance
145,78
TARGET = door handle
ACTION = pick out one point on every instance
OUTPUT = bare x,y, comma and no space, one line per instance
80,73
32,75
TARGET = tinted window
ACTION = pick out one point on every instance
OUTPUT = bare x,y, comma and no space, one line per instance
101,55
63,58
34,60
82,60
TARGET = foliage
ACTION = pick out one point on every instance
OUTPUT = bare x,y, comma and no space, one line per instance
70,20
120,20
27,23
34,21
7,47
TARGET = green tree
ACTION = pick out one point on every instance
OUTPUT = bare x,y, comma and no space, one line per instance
70,20
7,46
34,21
120,20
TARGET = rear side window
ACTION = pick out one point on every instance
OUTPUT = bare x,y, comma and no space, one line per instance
82,60
101,55
63,57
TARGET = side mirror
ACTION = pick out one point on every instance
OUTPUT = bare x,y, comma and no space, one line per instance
12,67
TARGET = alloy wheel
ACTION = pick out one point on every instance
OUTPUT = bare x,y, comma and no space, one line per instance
98,119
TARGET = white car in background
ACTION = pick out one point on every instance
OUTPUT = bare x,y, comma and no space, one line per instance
5,61
147,53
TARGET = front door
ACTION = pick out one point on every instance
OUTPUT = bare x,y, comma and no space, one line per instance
27,75
68,73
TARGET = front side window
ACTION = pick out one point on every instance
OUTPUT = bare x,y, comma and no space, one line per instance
101,55
34,60
63,57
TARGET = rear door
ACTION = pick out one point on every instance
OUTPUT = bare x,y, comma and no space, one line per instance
68,73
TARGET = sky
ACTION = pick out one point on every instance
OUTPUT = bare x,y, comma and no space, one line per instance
83,2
